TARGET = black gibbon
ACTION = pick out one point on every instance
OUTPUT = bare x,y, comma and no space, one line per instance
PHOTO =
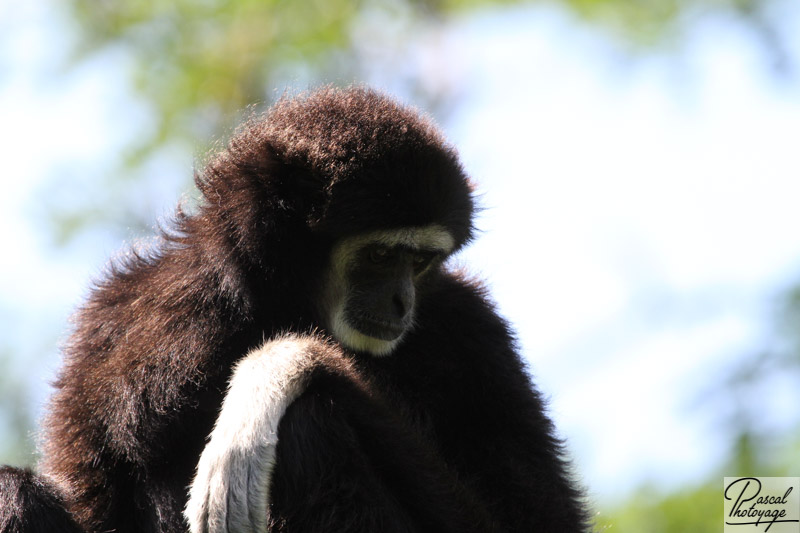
295,355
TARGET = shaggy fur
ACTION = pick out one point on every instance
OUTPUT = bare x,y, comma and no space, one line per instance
30,503
445,434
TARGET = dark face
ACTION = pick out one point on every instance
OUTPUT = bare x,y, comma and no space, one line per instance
383,286
372,285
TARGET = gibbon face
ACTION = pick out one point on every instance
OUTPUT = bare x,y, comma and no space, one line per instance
372,284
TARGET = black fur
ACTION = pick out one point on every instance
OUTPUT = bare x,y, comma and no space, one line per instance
28,503
453,436
457,439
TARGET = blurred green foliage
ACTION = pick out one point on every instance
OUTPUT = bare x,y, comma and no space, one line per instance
695,510
197,64
215,57
698,509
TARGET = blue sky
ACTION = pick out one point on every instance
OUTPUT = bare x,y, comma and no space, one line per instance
641,214
643,219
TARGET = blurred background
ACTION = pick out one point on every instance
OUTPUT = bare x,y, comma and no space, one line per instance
638,162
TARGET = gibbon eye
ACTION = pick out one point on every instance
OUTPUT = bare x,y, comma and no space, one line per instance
422,260
379,254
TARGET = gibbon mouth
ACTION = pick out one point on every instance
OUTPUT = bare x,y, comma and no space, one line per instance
377,328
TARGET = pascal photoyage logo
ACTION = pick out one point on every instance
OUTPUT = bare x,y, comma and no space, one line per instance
762,504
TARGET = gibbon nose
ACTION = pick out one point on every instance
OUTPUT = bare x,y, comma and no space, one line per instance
403,300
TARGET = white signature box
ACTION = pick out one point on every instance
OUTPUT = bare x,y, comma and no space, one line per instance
761,504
